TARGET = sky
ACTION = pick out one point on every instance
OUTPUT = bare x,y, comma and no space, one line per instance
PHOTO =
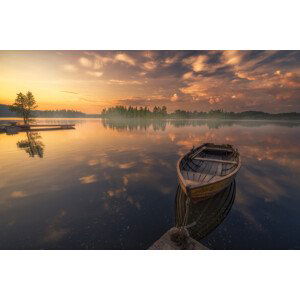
191,80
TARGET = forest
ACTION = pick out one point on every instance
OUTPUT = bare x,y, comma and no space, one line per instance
161,112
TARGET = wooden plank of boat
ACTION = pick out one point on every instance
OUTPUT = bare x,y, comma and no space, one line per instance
202,148
215,172
220,168
197,151
212,173
219,149
205,171
216,160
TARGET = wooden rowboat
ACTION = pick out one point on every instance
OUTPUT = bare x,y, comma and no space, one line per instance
208,169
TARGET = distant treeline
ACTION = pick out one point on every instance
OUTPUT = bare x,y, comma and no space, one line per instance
156,113
134,112
63,113
161,112
220,114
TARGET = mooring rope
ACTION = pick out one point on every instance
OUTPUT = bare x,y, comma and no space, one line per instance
182,220
187,209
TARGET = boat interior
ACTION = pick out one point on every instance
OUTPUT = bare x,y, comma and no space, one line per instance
208,164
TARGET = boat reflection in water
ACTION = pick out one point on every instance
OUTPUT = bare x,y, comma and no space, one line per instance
204,216
32,145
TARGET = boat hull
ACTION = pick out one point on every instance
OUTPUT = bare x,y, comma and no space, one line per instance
206,191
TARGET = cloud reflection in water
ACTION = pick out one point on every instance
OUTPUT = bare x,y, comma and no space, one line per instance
116,182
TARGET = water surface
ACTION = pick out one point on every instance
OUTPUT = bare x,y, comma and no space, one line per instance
112,184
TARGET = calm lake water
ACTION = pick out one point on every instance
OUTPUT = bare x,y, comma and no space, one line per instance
112,184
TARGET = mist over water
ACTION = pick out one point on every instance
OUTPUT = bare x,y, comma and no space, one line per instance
111,184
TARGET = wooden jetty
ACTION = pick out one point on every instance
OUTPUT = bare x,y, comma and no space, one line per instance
166,242
47,126
14,127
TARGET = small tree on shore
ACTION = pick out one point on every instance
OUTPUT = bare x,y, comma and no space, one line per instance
23,106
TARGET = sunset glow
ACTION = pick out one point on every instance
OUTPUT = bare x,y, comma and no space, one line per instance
192,80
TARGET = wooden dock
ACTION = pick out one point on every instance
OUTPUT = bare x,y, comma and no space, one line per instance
14,127
166,243
48,126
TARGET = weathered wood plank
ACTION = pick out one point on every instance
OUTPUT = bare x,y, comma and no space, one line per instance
212,172
219,149
165,243
46,125
219,171
216,160
205,171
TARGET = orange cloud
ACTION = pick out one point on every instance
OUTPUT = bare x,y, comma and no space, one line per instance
85,62
127,165
125,58
213,100
187,76
244,75
150,65
88,179
197,63
174,97
122,82
95,73
196,89
171,60
233,57
18,194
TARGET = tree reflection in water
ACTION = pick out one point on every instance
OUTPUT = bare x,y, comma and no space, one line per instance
134,124
32,145
161,124
204,216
